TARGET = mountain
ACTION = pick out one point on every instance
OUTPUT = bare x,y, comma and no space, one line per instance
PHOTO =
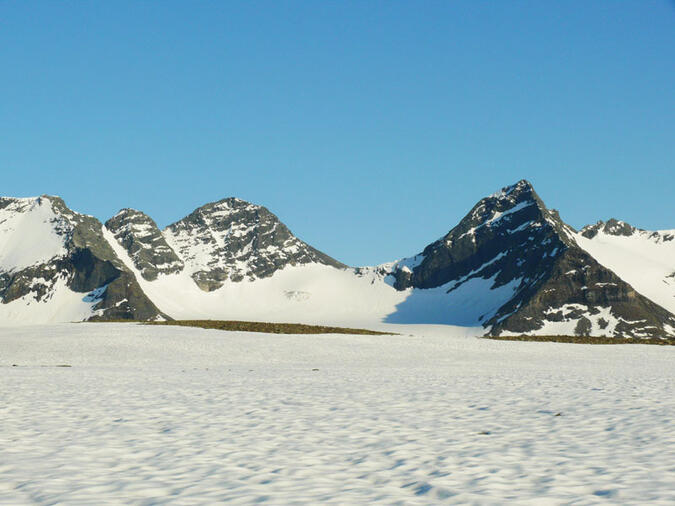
145,244
513,266
56,265
232,259
510,266
234,240
643,258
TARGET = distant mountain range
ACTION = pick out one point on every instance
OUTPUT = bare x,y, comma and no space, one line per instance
511,266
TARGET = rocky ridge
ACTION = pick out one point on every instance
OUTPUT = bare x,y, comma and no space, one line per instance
145,244
72,253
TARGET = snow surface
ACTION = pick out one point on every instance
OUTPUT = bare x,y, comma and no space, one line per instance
155,415
645,260
60,304
28,234
466,302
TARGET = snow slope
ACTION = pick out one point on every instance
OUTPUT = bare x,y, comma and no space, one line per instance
28,233
61,304
469,301
33,234
168,415
644,259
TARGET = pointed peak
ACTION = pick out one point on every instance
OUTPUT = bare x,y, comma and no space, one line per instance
519,194
510,199
522,186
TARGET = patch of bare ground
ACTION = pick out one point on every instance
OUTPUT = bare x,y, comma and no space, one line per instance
666,341
266,327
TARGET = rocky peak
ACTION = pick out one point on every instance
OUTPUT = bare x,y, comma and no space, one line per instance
232,239
512,209
145,244
610,227
504,235
527,261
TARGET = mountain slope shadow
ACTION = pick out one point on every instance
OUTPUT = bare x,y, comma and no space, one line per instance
468,304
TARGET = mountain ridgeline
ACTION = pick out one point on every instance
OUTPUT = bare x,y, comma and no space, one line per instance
511,266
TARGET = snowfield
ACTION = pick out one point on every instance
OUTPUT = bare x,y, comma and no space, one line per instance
154,415
644,259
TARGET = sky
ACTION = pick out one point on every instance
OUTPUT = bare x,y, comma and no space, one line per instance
369,127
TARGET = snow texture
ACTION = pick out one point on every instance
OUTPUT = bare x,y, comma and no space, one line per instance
169,415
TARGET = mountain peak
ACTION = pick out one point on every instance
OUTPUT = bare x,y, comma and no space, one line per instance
128,211
139,235
490,241
228,203
515,266
522,186
232,239
610,227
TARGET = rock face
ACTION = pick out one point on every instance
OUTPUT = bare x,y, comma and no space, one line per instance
235,240
145,244
510,235
512,240
48,252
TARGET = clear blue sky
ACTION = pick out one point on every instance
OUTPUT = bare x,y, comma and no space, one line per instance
369,127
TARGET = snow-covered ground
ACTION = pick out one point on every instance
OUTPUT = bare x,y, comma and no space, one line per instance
152,415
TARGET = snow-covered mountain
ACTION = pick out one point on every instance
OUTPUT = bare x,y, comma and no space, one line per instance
235,240
55,265
642,258
514,267
510,266
235,260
